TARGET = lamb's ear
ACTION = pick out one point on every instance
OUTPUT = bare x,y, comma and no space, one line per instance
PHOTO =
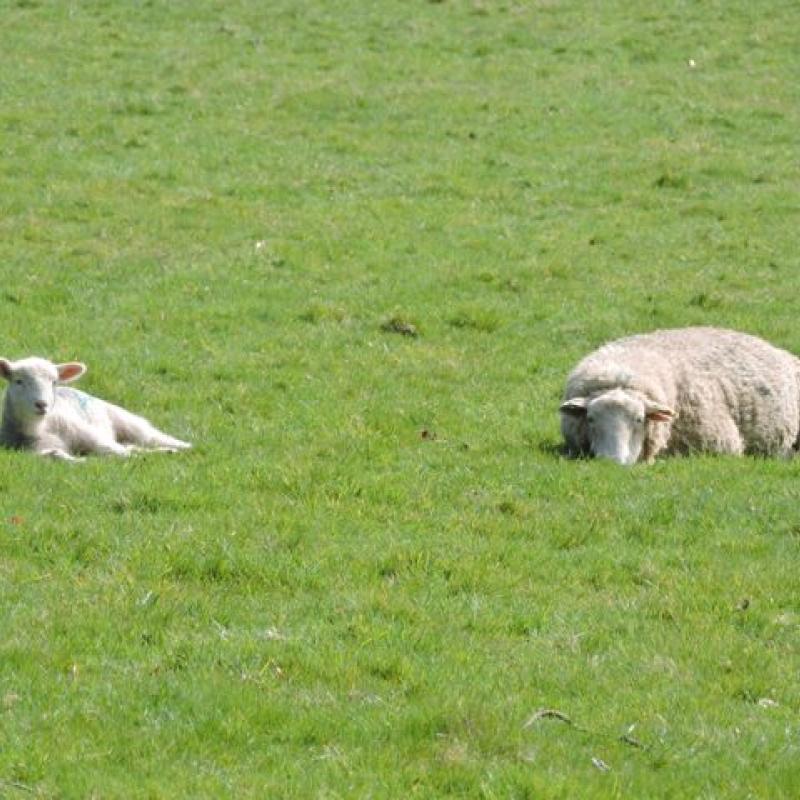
658,413
5,368
70,372
575,406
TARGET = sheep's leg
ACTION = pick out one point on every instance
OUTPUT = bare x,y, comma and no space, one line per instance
59,454
141,434
52,446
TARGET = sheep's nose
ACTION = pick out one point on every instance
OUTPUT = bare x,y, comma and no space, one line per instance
41,406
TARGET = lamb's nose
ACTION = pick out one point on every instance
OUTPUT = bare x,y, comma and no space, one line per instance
41,406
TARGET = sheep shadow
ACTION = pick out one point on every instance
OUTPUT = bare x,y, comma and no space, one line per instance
557,450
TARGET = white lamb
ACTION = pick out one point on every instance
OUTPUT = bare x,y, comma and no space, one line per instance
53,420
681,391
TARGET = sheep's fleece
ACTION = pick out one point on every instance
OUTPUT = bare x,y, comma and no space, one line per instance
681,391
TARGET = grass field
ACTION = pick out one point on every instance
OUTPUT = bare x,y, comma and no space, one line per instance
374,572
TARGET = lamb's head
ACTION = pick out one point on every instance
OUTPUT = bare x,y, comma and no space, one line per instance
32,382
615,422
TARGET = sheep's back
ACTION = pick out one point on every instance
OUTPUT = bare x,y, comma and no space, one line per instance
727,379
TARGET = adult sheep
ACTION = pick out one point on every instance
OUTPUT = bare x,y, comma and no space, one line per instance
681,391
40,414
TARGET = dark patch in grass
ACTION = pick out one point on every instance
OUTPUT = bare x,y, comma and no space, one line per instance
703,210
722,122
669,180
388,571
12,298
212,569
794,531
216,570
399,325
403,563
177,661
166,176
553,449
746,695
318,312
663,615
389,672
137,503
572,540
705,301
136,109
639,53
507,507
768,115
500,282
481,321
145,503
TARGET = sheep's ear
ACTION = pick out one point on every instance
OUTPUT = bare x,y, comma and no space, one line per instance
657,413
575,406
70,372
5,368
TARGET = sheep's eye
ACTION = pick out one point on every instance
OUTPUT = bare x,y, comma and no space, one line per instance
19,381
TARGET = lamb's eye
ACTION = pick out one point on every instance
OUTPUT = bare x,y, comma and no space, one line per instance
19,381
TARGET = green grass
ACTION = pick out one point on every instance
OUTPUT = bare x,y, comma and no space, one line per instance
375,568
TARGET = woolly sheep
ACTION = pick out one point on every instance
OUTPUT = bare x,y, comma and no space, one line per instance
53,420
681,391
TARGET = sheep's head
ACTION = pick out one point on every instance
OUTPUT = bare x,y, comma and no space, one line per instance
615,422
32,382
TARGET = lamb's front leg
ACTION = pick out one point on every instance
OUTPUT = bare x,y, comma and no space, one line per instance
58,453
51,445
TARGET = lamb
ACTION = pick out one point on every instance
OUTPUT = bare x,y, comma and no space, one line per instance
681,391
58,421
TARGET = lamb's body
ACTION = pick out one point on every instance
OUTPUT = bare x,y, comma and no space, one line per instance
55,420
722,391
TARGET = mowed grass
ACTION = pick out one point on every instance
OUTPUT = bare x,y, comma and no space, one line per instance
374,572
